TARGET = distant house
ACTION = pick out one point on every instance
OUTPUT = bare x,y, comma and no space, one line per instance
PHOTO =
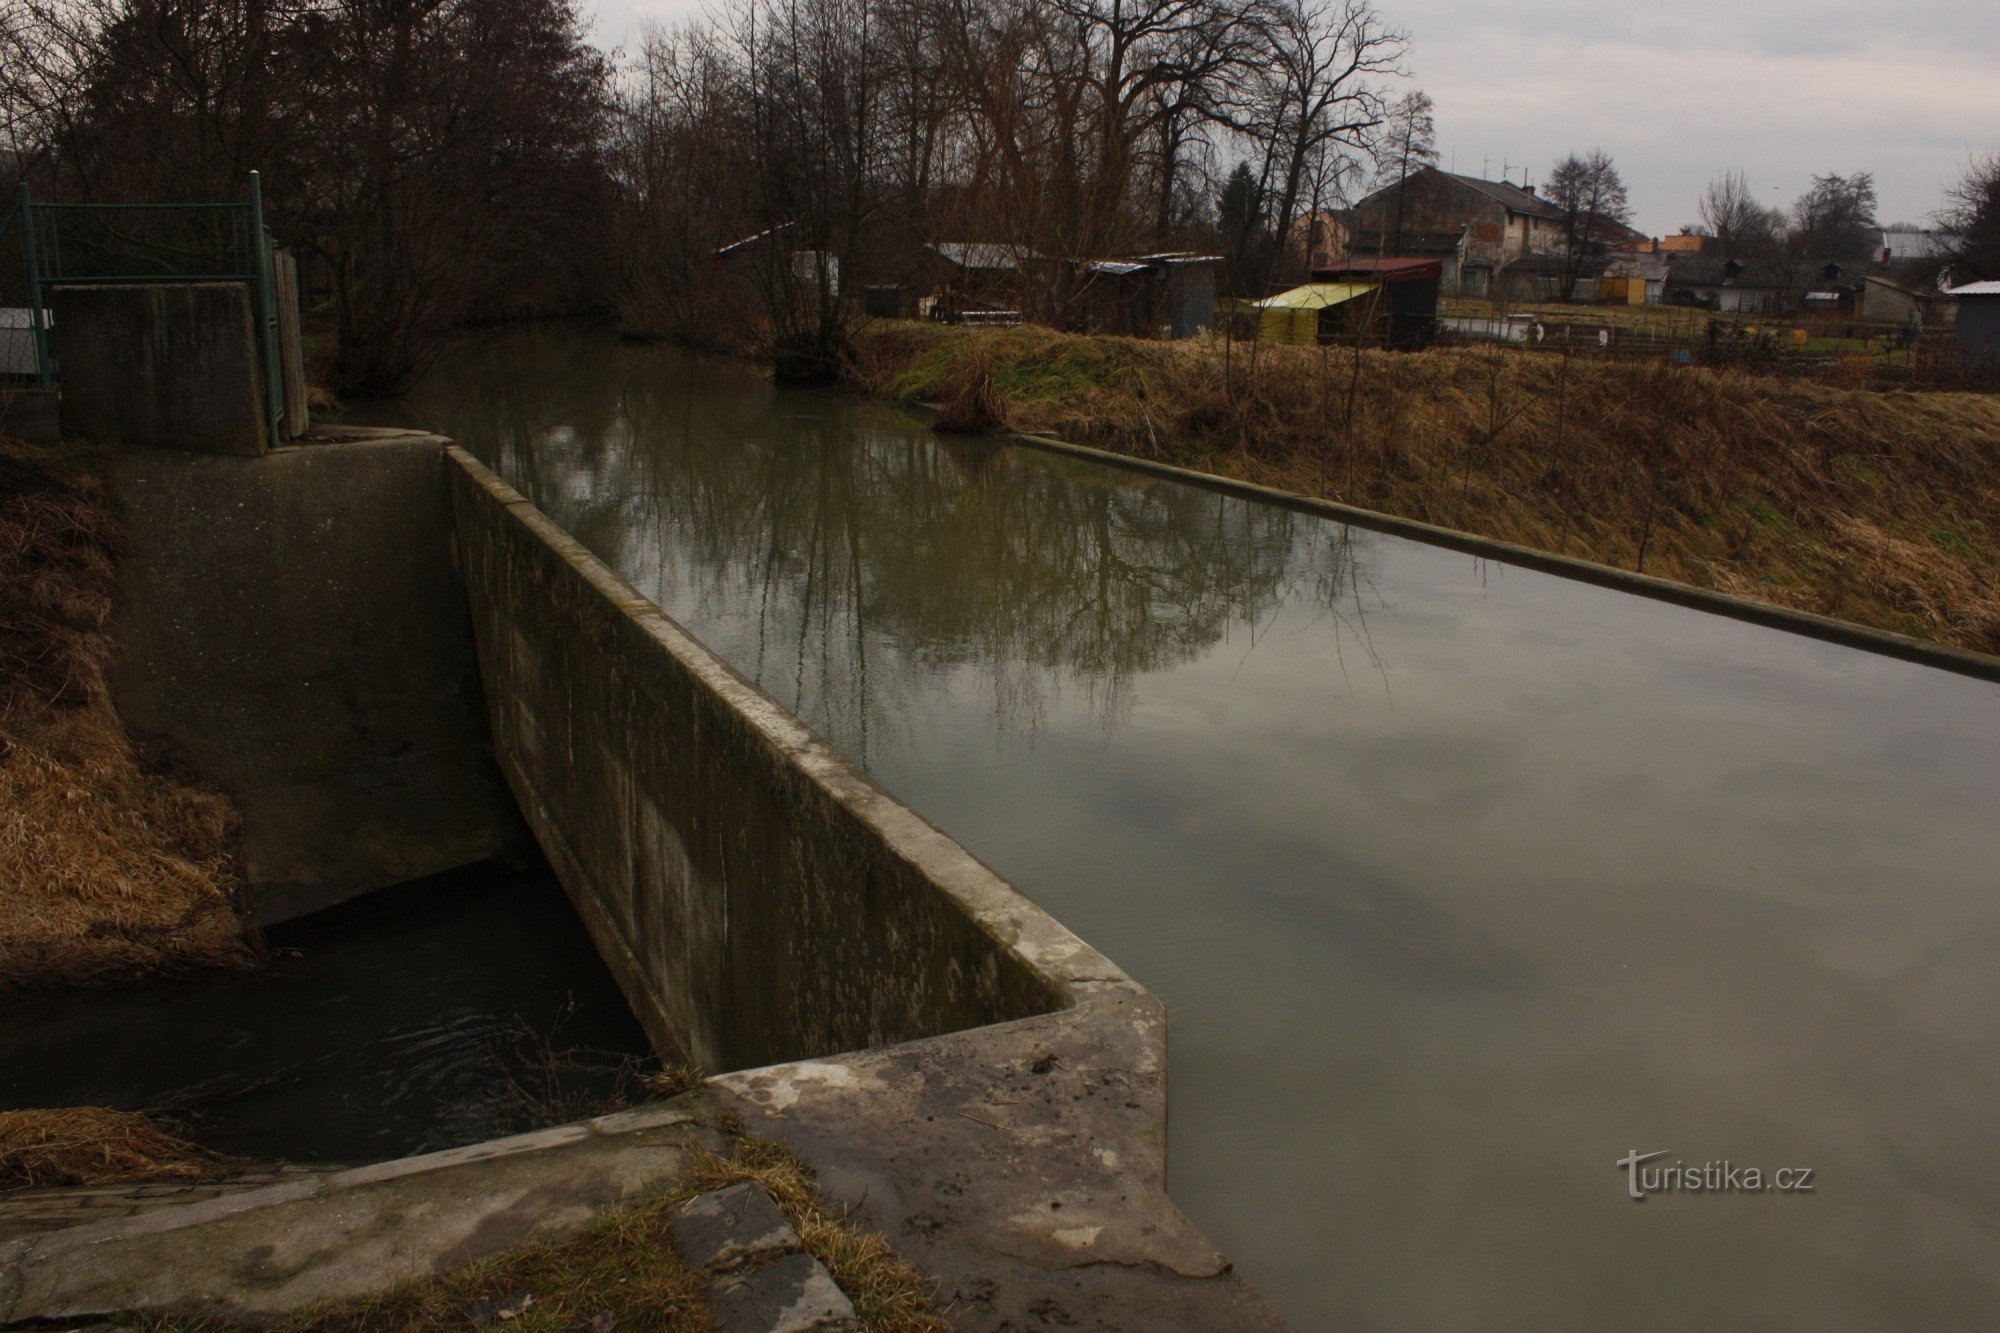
1978,322
1748,287
1320,237
1634,277
1448,248
1895,248
1532,278
1504,221
1833,294
1685,244
1885,300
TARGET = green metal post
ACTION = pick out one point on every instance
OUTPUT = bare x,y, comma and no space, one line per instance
44,373
267,312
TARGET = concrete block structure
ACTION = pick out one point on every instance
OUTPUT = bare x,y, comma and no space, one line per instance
161,366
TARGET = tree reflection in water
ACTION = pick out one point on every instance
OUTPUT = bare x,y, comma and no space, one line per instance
858,541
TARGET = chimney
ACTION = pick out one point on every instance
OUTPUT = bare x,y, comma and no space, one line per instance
1529,188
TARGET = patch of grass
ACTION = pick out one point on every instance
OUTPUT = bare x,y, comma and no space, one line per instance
110,870
888,1294
1833,498
88,1145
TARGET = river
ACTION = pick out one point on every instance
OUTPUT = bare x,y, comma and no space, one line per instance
1461,881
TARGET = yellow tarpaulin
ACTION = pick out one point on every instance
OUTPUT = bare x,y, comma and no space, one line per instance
1293,316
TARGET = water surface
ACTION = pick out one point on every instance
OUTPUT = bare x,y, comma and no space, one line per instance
1460,881
420,1019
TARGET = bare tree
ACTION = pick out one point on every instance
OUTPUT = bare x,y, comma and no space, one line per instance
1972,216
1407,142
1591,194
1316,101
1835,218
1733,215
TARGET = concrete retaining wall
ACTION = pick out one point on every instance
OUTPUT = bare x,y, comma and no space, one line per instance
759,900
292,630
161,366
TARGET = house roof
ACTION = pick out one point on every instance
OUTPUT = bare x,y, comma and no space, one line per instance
981,254
749,241
1640,264
1695,270
1555,266
1976,289
1399,269
1513,196
1906,244
1894,285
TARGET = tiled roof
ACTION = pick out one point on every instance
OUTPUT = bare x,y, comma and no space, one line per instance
1513,196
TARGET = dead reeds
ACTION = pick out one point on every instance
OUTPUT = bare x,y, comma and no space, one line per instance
1878,507
88,1145
111,870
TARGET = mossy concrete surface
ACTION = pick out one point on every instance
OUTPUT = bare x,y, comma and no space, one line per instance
255,1255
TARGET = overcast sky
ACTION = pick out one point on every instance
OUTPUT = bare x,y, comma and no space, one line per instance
1678,90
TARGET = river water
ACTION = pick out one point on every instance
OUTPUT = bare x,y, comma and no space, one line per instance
1461,881
430,1016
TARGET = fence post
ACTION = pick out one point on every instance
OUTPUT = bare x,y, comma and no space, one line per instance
267,312
44,374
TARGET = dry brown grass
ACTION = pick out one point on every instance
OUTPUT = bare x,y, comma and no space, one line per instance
1880,508
88,1145
889,1295
110,871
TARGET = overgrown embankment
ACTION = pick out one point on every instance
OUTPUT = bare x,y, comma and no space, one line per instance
1879,508
107,870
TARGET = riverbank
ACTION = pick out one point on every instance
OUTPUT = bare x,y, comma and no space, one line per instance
114,870
1877,508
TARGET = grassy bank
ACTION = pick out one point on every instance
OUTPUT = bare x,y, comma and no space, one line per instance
1878,508
111,870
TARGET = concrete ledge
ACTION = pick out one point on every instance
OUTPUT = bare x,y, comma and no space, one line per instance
256,1254
1023,1166
1963,661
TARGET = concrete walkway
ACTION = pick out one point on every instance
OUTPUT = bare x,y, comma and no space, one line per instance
252,1255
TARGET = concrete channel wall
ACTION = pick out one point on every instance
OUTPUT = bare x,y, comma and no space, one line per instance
290,629
758,899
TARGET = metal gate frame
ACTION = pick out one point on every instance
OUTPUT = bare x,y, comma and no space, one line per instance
249,260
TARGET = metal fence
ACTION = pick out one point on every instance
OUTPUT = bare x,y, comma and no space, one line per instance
55,244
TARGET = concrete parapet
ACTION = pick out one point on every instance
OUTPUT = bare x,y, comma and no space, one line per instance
757,897
161,366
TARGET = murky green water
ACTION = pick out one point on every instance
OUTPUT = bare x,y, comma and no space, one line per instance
1460,881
